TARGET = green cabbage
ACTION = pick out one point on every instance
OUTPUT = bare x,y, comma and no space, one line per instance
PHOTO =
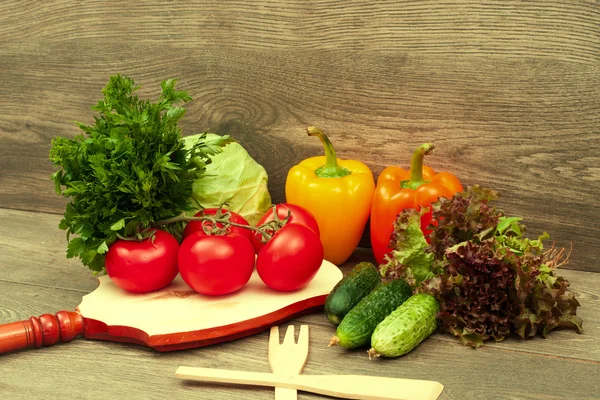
235,178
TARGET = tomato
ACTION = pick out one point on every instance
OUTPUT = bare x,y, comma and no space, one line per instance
143,266
298,215
216,264
197,226
291,259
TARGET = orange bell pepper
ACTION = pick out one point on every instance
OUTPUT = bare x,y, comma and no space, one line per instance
398,189
338,193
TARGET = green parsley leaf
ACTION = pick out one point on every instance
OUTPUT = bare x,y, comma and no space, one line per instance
128,169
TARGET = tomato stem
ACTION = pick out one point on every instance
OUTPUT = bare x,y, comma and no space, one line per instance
185,218
331,169
416,166
266,230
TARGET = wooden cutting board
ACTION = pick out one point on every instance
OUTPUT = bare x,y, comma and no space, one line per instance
173,318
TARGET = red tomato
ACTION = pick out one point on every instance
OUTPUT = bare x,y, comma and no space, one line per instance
143,266
298,215
216,264
291,259
196,226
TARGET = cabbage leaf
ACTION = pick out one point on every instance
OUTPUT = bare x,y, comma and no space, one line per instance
234,178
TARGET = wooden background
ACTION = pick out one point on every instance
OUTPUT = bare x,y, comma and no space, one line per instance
508,91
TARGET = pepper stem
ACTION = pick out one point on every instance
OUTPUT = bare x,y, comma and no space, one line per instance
331,169
416,166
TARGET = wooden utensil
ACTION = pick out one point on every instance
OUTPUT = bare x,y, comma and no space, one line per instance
287,358
173,318
344,386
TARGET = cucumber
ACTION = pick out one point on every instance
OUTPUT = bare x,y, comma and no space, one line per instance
358,325
405,327
350,290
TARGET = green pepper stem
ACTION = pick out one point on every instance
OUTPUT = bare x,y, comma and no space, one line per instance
416,166
331,169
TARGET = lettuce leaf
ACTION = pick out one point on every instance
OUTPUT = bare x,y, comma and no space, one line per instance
409,259
488,277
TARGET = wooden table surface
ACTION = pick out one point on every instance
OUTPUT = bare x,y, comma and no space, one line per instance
507,90
35,278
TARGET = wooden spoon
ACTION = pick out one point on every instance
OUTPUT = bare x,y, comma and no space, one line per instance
343,386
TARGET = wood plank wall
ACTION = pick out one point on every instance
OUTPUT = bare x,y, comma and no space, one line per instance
508,91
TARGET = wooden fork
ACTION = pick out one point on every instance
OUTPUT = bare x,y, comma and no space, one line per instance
288,358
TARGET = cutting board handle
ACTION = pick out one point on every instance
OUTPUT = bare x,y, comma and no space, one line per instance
45,330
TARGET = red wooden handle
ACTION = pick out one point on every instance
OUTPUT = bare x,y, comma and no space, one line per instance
44,330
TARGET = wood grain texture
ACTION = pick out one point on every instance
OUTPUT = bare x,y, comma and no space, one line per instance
509,91
33,254
33,251
110,370
36,279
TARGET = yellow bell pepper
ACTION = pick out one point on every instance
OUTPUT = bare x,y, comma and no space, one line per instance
338,193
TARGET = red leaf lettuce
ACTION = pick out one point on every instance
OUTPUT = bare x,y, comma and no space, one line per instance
489,279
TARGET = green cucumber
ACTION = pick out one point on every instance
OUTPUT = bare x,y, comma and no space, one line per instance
405,327
358,325
350,290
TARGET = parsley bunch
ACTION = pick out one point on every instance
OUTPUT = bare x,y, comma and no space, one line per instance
128,170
